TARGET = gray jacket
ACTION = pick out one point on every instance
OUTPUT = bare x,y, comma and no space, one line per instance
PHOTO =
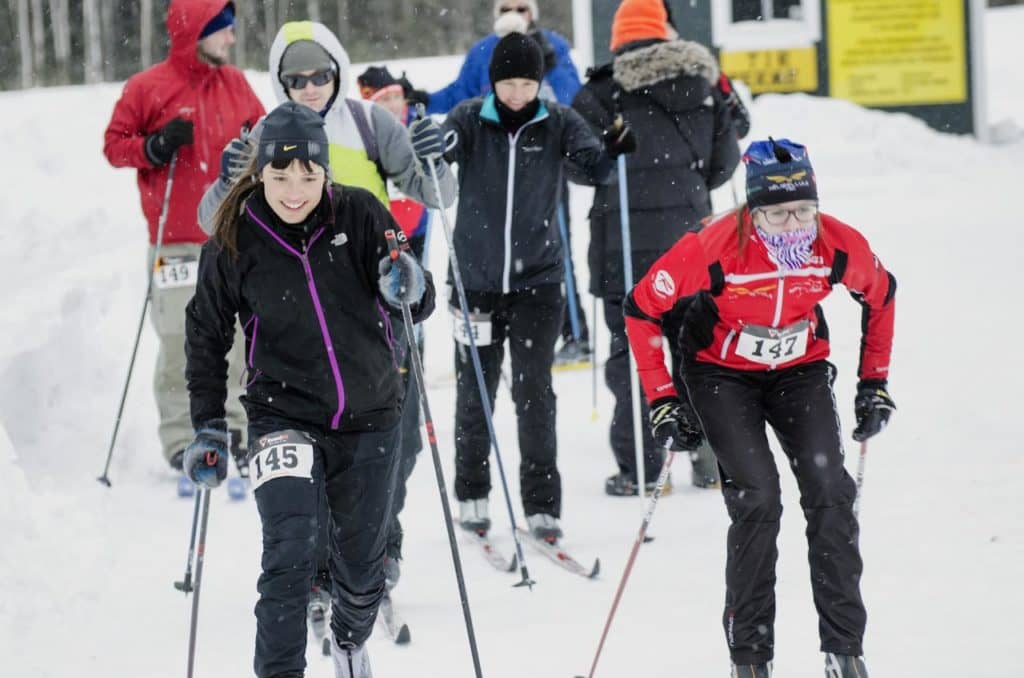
397,161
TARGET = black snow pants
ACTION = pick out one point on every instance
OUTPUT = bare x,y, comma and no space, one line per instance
798,403
356,472
616,376
530,320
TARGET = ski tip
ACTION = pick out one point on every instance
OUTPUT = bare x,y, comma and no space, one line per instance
513,564
403,636
596,570
325,647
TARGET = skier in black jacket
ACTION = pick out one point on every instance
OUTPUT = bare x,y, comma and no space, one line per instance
304,265
667,89
510,147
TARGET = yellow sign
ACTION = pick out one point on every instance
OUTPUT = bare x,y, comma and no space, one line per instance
777,70
885,53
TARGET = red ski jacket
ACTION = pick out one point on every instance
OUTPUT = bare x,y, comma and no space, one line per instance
218,100
745,313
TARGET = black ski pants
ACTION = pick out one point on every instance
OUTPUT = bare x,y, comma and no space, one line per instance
616,376
356,472
410,444
529,319
798,403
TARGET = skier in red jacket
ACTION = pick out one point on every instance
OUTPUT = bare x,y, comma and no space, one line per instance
186,107
745,292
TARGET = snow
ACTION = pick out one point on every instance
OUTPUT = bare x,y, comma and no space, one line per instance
86,572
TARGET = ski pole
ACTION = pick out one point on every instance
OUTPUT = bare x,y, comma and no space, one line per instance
142,316
593,363
570,278
628,280
428,423
477,368
185,585
200,553
860,477
648,515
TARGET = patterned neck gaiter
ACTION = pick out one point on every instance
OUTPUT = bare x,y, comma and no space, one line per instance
791,249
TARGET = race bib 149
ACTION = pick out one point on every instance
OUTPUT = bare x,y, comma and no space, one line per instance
175,272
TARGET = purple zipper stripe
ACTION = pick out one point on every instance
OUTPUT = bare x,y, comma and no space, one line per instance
252,341
311,283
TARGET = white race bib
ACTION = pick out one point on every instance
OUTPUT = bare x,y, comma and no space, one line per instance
479,325
175,272
773,345
285,454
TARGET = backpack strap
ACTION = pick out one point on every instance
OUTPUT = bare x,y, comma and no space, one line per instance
365,133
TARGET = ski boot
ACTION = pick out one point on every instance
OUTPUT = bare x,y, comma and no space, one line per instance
544,526
573,353
751,671
350,661
473,515
623,485
186,488
392,572
318,611
844,666
705,468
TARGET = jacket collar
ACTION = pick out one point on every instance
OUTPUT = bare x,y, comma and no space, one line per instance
489,111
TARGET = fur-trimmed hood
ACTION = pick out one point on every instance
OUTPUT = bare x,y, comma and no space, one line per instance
648,66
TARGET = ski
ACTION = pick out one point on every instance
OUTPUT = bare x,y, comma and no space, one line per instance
397,629
560,556
318,612
498,561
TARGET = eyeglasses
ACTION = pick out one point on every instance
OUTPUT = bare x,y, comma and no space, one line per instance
777,216
522,9
320,78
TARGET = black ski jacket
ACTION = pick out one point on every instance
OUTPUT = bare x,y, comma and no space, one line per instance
686,146
506,234
319,345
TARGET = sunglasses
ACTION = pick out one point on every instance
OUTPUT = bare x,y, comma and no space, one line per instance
320,78
522,9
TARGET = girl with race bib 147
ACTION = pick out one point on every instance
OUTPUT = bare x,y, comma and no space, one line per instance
747,289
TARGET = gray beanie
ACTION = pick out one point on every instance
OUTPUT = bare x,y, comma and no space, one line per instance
305,55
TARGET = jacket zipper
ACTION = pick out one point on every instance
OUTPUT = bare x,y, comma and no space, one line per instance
318,307
506,276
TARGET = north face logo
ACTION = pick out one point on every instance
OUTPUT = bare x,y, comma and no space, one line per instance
663,284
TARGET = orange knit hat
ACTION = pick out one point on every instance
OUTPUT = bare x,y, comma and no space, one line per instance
639,20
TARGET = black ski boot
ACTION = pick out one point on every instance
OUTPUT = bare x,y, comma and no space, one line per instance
623,485
751,671
844,666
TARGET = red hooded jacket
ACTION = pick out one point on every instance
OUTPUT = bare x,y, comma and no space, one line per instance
748,298
218,100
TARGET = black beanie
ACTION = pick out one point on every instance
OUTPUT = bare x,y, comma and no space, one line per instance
293,131
517,56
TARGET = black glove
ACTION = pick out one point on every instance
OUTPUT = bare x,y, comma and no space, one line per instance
162,144
873,407
427,139
619,138
236,156
737,111
674,425
205,460
412,95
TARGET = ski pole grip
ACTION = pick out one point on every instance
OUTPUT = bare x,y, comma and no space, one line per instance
393,248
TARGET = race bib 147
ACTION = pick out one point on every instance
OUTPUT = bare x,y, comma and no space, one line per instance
773,345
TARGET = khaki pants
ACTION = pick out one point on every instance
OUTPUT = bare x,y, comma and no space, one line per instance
167,312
